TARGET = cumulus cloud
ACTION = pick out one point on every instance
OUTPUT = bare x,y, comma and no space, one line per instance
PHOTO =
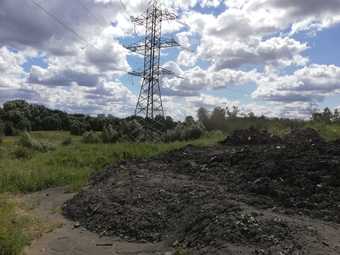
244,42
309,84
198,79
276,51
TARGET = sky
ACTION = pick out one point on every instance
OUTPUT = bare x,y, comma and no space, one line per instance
278,58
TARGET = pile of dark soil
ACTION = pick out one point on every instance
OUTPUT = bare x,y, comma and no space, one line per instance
303,136
198,197
143,201
251,136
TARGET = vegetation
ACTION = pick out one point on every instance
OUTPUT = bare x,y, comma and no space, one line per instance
227,120
18,226
12,236
17,116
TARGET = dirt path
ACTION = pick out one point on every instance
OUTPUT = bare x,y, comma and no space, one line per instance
320,238
70,238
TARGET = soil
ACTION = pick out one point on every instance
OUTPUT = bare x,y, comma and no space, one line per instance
251,136
70,238
280,197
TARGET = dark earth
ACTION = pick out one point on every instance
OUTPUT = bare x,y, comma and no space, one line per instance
254,193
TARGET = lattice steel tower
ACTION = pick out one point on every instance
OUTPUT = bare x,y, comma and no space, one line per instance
150,99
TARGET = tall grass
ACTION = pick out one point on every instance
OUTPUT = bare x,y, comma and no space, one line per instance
73,164
12,235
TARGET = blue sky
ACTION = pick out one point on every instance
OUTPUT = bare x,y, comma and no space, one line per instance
278,58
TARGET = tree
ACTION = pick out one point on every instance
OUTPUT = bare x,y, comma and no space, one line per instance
77,128
233,112
327,115
336,116
203,116
189,120
217,119
51,123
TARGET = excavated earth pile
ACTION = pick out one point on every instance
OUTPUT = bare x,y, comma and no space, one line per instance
251,136
211,200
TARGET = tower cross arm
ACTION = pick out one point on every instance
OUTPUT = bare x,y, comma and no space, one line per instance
168,15
140,20
164,43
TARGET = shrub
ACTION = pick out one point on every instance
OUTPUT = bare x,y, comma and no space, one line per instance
77,128
67,141
51,123
191,133
27,141
22,153
9,129
172,135
2,127
91,137
109,135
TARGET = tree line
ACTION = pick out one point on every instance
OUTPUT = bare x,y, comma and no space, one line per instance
18,115
231,118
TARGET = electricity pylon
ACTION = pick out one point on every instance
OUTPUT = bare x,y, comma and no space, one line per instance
150,102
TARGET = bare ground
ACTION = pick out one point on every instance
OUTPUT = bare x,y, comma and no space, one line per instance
316,237
70,238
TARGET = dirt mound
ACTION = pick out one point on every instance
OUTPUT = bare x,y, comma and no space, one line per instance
143,201
251,136
195,196
303,136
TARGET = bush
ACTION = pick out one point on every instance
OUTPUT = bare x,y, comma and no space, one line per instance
9,129
22,153
91,137
77,128
51,123
2,128
109,135
183,133
27,141
172,135
191,133
67,141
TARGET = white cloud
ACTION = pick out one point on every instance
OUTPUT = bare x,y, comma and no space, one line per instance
276,51
249,41
309,84
197,79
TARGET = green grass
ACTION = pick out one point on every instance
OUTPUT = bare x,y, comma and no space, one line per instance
327,131
70,165
13,236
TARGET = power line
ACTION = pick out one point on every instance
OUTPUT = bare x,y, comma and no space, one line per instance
91,13
124,7
60,22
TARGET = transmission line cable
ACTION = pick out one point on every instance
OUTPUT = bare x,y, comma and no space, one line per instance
91,13
60,22
68,28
